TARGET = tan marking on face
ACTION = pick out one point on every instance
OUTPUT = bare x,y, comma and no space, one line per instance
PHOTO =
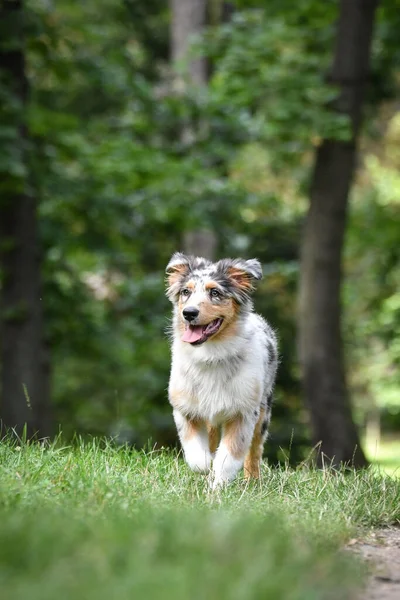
229,327
213,437
234,438
211,285
209,311
253,457
226,308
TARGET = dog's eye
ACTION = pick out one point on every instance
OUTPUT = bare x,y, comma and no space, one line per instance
185,292
214,293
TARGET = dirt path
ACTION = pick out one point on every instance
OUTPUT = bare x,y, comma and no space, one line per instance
381,550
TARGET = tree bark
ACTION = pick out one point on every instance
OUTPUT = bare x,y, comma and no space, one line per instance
200,242
24,360
320,338
188,18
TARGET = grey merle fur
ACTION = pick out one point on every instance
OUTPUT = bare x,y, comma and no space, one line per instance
219,272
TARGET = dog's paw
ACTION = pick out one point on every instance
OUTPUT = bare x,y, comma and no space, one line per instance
199,461
225,468
216,483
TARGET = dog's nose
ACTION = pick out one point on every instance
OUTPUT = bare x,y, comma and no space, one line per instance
190,313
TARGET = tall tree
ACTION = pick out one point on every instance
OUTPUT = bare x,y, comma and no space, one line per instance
24,368
188,19
320,340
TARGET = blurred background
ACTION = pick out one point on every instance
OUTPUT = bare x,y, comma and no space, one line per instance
131,129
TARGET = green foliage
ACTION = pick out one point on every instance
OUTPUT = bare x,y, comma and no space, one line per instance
118,185
13,147
372,291
269,71
386,53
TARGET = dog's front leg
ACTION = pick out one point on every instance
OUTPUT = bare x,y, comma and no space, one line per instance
194,439
236,439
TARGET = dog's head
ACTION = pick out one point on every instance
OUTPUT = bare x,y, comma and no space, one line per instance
210,296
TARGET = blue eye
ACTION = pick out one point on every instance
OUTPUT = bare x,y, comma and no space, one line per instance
185,292
214,293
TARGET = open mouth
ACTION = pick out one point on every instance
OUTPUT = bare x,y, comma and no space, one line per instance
198,334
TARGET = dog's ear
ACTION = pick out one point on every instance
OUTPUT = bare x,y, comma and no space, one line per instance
177,268
251,267
242,274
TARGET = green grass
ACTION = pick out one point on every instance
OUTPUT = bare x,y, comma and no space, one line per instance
385,456
93,521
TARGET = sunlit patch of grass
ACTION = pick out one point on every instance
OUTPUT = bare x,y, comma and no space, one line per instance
96,521
385,455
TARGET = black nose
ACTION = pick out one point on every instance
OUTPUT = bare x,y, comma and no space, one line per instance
190,313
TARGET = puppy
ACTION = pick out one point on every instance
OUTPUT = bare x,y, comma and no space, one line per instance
224,362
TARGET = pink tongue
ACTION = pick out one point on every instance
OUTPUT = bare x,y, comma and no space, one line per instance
193,333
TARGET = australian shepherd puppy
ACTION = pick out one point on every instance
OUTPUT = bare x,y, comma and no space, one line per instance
224,361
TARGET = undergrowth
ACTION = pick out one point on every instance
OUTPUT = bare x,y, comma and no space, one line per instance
95,521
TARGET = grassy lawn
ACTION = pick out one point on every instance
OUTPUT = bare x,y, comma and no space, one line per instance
96,522
385,456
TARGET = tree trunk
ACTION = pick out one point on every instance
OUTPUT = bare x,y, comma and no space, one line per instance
24,364
320,339
200,242
188,18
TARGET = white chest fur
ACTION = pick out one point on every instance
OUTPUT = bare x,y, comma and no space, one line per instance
218,381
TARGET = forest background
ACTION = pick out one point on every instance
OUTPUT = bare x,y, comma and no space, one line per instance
132,129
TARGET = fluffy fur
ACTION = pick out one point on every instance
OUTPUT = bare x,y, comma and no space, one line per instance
224,361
